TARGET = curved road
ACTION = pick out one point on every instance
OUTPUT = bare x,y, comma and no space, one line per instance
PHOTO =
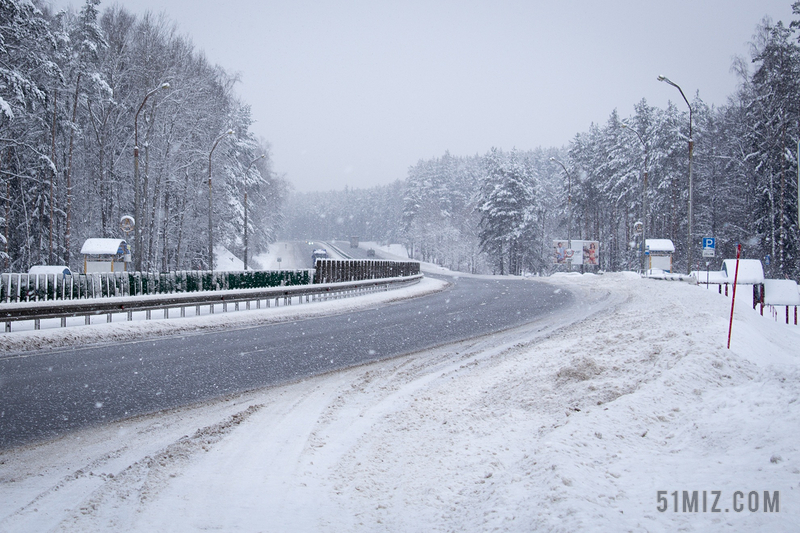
46,394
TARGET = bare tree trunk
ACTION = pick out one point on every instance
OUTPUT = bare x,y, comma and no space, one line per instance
104,185
782,230
153,246
105,198
673,223
164,254
26,249
772,220
8,218
67,233
143,208
152,243
182,211
53,175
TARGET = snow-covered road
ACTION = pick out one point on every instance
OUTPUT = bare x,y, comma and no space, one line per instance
571,424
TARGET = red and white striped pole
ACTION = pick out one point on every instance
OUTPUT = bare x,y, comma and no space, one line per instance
733,298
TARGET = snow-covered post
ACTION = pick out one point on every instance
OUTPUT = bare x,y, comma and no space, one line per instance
733,298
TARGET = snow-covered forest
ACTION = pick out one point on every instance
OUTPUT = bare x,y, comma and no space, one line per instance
367,213
77,91
500,212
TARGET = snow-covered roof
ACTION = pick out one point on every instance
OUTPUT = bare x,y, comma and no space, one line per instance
103,246
711,276
660,245
750,271
50,269
780,292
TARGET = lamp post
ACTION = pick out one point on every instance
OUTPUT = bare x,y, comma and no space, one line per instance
569,212
691,148
245,206
137,200
210,203
644,198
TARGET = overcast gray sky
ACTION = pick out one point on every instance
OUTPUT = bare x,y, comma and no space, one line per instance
354,92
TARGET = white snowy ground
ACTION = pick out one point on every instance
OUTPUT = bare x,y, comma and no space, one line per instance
542,428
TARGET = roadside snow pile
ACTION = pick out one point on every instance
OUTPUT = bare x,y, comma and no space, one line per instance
539,428
225,261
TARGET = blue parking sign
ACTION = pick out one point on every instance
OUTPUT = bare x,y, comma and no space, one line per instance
708,246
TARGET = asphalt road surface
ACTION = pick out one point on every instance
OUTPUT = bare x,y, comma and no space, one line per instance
47,394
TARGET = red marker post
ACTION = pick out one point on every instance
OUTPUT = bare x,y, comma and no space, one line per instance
733,298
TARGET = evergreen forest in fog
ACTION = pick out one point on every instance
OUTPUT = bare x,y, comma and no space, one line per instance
500,212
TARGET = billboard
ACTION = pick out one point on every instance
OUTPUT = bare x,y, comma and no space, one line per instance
562,252
591,252
579,253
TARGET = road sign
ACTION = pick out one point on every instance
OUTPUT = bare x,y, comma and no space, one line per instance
709,244
127,223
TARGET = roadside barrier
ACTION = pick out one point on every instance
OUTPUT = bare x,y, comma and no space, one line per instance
341,270
770,293
49,287
180,302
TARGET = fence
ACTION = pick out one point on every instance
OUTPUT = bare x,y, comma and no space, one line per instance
341,270
165,302
769,293
47,287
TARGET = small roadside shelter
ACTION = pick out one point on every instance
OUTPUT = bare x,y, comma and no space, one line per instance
105,255
751,272
659,254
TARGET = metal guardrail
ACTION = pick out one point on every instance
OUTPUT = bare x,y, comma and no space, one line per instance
109,306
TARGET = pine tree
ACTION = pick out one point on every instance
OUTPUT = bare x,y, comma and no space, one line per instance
504,197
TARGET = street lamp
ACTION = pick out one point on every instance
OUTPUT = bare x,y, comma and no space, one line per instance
245,206
569,212
691,148
210,204
137,193
644,199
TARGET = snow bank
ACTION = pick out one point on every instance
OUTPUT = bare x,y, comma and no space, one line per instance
225,261
569,425
781,292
